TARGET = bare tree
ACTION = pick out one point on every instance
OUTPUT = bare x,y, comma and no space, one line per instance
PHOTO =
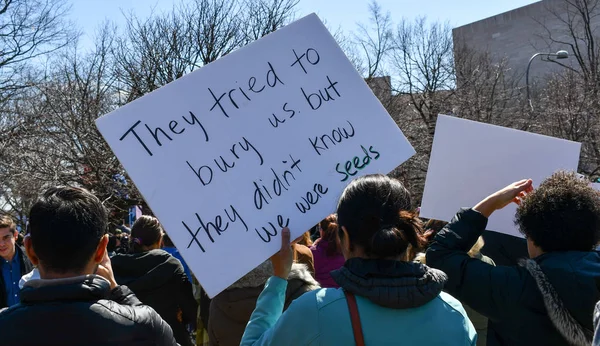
569,99
59,143
262,17
375,40
216,26
487,90
29,29
155,52
573,24
423,63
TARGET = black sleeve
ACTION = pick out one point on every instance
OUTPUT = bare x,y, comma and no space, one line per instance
489,290
186,299
124,296
163,334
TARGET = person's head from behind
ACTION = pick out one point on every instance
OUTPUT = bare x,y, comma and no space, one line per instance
8,237
67,233
432,227
376,220
562,214
146,234
328,229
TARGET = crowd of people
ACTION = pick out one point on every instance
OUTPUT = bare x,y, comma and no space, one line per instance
373,273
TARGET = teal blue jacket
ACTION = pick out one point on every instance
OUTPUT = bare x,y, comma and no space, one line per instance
321,317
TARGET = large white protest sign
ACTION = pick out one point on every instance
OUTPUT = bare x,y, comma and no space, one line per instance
265,137
471,160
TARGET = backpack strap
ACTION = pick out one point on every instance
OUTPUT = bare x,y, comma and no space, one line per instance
355,318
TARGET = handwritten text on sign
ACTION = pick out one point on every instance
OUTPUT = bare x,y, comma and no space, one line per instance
263,138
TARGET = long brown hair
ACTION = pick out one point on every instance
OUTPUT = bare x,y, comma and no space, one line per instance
305,240
329,227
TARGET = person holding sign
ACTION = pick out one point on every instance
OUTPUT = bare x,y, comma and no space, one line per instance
548,299
384,298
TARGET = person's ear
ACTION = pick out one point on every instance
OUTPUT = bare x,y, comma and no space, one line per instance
101,249
30,252
345,243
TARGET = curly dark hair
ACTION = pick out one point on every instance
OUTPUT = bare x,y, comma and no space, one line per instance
562,214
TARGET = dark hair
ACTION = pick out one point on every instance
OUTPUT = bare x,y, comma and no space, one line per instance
146,231
6,221
435,226
112,243
376,212
562,214
329,227
167,241
65,226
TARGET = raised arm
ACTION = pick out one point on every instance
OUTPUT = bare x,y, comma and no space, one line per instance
492,291
267,326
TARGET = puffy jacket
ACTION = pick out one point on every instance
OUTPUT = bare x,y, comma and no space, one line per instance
230,310
399,303
529,304
26,267
597,325
81,311
158,280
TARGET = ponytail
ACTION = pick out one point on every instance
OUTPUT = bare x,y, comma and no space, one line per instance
405,237
329,227
146,231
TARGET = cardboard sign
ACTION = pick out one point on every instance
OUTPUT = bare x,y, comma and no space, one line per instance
471,160
263,138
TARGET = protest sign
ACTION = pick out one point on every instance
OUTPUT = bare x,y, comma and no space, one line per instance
471,160
263,138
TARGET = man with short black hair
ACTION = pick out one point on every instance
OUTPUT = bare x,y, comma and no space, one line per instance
76,301
14,262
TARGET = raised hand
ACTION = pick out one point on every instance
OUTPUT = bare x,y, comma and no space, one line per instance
282,260
513,193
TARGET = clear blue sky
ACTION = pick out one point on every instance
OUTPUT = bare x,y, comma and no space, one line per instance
88,15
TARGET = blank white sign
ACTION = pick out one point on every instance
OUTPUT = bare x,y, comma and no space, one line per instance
471,160
264,137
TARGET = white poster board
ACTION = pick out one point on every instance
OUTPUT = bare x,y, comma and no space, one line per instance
471,160
265,137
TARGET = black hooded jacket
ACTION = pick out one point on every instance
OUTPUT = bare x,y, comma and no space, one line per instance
81,311
158,280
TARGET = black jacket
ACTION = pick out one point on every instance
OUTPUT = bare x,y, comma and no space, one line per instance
26,267
81,311
543,301
158,280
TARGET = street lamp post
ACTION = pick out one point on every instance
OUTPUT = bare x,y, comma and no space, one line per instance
561,54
